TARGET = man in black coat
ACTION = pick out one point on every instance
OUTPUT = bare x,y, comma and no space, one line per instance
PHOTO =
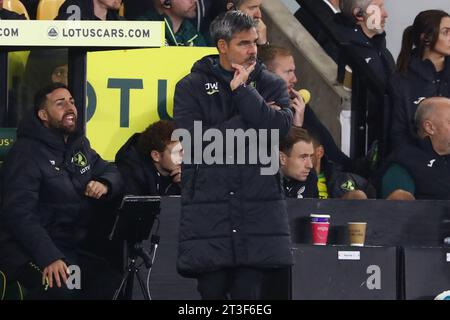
421,170
90,10
234,223
317,16
361,25
52,183
150,162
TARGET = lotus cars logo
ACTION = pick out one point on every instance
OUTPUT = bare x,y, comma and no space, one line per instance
53,33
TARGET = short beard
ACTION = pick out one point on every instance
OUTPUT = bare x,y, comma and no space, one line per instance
58,127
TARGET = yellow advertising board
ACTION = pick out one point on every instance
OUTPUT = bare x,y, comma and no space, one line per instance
129,89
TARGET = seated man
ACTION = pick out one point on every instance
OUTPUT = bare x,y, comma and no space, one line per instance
90,10
420,170
253,9
52,184
9,15
150,162
176,14
296,153
333,182
280,61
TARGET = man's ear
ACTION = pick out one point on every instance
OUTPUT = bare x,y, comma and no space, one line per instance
222,46
428,128
358,14
283,158
230,6
42,115
156,156
320,152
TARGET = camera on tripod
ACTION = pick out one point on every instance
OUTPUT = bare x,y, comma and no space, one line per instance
134,224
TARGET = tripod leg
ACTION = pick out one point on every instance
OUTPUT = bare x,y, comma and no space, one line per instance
143,288
122,285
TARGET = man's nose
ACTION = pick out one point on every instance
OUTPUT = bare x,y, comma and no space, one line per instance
258,13
70,106
309,163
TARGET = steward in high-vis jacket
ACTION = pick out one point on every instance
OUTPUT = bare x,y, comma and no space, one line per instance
52,181
234,222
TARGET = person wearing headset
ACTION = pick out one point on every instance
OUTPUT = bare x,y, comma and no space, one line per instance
423,71
176,14
361,23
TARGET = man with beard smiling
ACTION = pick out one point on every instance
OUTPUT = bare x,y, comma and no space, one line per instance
52,181
234,224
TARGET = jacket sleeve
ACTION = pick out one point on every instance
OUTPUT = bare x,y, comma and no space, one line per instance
187,110
20,208
133,181
257,113
107,173
401,119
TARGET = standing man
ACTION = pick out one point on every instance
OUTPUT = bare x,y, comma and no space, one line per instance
234,223
361,23
52,183
315,16
253,9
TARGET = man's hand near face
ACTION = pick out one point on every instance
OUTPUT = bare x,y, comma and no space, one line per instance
261,29
241,75
298,105
176,175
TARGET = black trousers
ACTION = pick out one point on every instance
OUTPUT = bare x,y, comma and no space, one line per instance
234,283
98,281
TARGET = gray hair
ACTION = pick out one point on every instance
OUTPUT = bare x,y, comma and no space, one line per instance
348,6
226,25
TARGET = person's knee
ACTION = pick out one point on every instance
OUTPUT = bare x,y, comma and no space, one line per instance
355,195
400,194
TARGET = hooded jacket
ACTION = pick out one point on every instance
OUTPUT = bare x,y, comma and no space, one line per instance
231,214
45,214
140,174
420,81
86,10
